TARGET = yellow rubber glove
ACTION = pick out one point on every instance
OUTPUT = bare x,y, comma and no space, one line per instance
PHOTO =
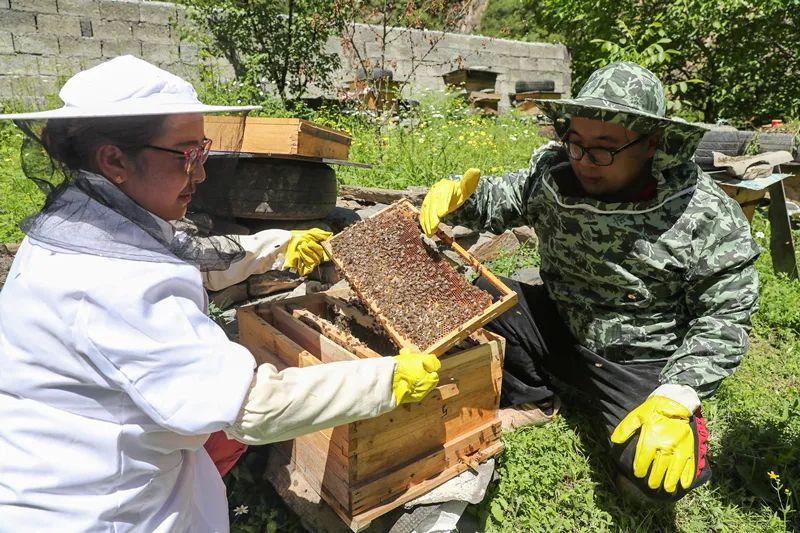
666,442
304,251
415,375
444,197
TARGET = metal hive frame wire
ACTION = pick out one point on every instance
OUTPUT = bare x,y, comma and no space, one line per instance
507,298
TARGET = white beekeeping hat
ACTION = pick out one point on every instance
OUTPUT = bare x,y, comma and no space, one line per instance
125,86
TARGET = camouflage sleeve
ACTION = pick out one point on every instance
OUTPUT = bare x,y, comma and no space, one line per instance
501,202
722,296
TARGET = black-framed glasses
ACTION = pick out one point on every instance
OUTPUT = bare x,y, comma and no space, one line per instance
602,157
192,156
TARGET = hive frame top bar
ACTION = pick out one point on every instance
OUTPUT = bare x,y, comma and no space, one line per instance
508,298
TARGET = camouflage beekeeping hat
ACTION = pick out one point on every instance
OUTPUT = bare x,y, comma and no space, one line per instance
627,94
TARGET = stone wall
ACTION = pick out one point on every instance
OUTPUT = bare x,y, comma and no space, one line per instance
42,42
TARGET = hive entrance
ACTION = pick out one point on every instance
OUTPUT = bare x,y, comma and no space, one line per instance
412,289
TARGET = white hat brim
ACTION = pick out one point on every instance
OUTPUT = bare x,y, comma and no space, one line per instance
127,110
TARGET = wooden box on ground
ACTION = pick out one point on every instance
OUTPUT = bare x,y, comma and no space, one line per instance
524,103
367,468
276,136
375,95
472,80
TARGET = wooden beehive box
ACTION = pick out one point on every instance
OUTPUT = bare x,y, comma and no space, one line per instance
276,136
471,79
365,469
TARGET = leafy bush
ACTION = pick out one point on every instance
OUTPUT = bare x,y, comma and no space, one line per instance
747,52
281,44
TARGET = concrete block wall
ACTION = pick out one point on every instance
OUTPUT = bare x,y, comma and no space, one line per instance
424,56
43,42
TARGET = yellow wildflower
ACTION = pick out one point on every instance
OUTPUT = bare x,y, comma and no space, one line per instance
773,475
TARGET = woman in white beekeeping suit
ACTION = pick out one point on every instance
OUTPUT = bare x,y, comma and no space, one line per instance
112,377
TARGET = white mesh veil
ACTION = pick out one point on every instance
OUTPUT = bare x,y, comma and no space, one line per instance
85,212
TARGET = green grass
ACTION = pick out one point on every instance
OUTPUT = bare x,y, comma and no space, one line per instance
19,197
555,478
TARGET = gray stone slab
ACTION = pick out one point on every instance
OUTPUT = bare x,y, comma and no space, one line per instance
113,48
5,4
82,8
152,33
529,275
6,43
112,29
160,53
79,47
58,65
370,211
119,10
158,12
18,64
58,24
342,217
35,6
526,236
30,89
35,43
18,21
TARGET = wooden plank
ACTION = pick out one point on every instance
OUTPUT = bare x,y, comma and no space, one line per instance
383,196
780,242
259,336
324,459
270,283
419,438
534,95
382,442
323,348
330,331
312,465
468,450
363,519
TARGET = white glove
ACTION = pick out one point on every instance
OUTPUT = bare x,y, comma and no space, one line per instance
296,401
263,251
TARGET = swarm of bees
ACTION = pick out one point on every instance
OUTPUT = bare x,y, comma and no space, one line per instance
413,287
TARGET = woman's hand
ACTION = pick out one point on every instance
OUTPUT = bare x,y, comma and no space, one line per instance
304,251
415,375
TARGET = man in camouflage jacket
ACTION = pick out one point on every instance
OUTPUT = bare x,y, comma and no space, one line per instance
648,274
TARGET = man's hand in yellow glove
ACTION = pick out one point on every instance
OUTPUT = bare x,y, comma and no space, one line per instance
666,442
444,197
304,251
415,375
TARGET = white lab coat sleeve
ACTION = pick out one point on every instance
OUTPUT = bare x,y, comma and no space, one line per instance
296,401
148,336
264,251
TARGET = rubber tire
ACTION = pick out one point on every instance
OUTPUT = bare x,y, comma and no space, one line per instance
728,142
773,142
537,86
266,189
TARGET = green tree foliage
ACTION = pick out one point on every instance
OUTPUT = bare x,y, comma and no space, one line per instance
746,52
268,43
